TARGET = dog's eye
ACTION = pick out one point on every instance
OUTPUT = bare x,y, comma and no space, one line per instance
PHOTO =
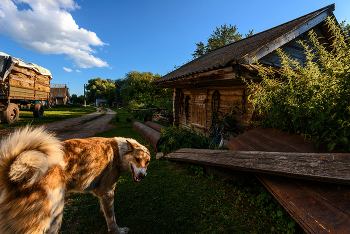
137,160
147,162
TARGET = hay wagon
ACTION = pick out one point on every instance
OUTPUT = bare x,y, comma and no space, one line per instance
22,84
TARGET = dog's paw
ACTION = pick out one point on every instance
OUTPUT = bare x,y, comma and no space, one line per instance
123,230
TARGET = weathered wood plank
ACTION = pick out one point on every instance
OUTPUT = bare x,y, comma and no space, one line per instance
46,85
329,167
24,71
14,77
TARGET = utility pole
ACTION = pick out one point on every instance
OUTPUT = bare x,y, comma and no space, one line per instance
84,97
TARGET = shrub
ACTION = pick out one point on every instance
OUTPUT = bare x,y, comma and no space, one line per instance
310,99
174,138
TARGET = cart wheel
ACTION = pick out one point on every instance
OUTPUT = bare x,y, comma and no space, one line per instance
38,111
10,115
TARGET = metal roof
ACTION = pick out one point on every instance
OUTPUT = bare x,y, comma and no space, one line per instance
242,50
58,86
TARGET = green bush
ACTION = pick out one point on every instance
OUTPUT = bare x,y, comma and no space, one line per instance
310,99
174,138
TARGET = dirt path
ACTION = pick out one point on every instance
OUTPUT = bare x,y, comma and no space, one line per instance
74,128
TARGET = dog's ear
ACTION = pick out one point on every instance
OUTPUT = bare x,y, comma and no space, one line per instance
130,147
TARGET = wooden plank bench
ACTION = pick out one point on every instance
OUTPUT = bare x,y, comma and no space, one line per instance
328,167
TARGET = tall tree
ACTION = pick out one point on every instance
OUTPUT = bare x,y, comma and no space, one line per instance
98,88
220,37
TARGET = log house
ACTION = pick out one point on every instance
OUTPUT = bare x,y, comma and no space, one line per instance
214,78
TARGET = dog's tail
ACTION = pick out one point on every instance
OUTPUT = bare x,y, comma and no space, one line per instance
27,154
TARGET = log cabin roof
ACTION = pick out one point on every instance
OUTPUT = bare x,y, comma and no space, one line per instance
256,46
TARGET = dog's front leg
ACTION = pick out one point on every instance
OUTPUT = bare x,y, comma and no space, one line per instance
107,206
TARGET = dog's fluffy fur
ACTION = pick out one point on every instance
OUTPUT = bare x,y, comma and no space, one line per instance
37,170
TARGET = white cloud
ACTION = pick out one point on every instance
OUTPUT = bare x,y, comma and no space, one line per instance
47,27
67,69
77,70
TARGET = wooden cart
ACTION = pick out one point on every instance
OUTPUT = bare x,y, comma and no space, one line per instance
22,85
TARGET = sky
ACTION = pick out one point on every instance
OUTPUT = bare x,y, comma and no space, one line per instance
85,39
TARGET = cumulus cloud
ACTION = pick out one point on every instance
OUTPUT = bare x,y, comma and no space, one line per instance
77,70
67,69
47,27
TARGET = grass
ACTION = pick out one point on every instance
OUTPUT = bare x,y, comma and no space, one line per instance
54,114
179,198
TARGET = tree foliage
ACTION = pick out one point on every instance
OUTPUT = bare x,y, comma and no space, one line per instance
220,37
310,99
138,91
346,29
100,88
77,100
135,90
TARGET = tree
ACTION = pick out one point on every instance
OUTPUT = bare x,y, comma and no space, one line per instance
136,90
74,98
98,88
77,100
119,86
220,37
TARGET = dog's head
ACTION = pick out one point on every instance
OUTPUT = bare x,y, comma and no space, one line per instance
137,159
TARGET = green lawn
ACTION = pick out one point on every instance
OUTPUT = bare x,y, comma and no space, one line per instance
54,114
178,198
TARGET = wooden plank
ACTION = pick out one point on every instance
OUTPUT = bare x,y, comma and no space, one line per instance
21,92
14,77
329,167
24,71
45,85
42,77
224,74
154,109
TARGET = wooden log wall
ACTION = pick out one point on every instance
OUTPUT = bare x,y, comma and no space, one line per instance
231,98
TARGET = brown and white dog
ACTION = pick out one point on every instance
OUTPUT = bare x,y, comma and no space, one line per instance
37,170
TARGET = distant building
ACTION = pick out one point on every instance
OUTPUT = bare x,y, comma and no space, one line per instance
59,94
101,102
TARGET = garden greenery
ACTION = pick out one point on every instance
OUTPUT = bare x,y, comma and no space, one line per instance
311,99
174,138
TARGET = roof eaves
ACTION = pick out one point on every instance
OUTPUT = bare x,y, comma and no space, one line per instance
287,37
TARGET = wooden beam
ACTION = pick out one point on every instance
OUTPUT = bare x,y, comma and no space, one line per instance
24,71
223,74
14,77
156,109
329,167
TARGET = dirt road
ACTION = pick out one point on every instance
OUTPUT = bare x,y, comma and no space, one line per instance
74,128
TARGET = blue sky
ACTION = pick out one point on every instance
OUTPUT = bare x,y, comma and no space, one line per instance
84,39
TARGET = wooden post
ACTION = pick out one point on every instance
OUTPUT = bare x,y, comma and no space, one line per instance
84,97
176,105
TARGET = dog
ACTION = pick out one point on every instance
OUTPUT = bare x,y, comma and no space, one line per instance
37,171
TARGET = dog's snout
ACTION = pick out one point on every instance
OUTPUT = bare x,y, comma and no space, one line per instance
142,175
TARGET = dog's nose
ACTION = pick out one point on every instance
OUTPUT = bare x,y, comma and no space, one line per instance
142,175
